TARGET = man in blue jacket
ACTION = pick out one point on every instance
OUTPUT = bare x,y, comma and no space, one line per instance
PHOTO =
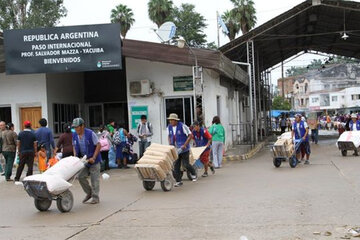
45,136
86,143
300,130
354,125
179,135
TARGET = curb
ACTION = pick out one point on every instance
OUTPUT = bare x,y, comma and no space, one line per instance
245,156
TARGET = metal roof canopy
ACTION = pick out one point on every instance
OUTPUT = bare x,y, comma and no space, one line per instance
312,25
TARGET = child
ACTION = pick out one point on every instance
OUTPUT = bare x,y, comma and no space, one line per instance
42,158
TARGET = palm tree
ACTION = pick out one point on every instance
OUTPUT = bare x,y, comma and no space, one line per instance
232,24
123,15
245,14
160,11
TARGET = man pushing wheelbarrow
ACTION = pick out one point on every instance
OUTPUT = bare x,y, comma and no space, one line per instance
301,132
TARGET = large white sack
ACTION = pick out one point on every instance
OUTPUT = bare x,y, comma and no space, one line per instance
350,136
285,135
66,168
197,151
55,184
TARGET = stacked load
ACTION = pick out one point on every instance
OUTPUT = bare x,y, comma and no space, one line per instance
157,161
349,139
284,146
57,177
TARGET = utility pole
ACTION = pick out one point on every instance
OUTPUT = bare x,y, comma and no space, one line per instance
282,80
218,28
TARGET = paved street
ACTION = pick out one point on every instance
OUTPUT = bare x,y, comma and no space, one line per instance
250,198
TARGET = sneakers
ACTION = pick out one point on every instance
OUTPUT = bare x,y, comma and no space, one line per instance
94,201
178,184
212,169
307,162
87,198
205,174
193,177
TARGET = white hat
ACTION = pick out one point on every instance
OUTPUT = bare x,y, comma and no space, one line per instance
353,115
173,116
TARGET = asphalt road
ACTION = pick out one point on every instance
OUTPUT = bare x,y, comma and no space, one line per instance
250,198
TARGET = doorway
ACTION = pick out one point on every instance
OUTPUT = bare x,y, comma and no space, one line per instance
5,114
32,114
103,113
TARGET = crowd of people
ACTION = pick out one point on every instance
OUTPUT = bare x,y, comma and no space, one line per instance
38,146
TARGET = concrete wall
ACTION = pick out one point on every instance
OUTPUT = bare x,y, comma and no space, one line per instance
20,91
161,75
64,88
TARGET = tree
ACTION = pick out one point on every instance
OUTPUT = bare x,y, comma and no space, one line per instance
232,23
190,25
211,46
245,14
160,11
123,15
279,103
18,14
295,71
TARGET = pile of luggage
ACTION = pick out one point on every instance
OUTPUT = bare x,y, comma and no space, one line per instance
157,162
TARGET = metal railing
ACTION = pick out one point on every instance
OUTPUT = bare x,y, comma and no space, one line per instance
241,133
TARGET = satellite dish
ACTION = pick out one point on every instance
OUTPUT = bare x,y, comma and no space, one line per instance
166,31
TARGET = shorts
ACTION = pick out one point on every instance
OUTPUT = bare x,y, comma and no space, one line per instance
119,152
304,148
204,157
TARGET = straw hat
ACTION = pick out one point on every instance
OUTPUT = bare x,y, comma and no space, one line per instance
173,116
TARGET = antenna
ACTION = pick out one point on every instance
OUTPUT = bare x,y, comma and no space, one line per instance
166,31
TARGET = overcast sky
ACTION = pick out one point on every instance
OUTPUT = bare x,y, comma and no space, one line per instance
95,11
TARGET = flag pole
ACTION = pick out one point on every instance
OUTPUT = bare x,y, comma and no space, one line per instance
218,28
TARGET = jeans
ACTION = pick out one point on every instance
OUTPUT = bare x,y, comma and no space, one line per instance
94,172
9,159
28,159
217,151
142,147
184,159
315,135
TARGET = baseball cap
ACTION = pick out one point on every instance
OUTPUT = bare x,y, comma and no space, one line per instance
77,122
27,123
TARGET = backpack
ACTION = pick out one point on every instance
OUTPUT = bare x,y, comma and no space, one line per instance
147,124
104,143
119,137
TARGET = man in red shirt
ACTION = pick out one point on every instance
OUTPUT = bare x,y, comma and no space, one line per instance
203,139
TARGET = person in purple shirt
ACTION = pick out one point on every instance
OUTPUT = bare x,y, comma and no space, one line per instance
45,136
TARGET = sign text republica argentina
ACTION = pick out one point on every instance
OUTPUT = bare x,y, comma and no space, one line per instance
63,36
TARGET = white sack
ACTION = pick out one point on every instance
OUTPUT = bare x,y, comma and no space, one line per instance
66,168
350,136
55,184
286,135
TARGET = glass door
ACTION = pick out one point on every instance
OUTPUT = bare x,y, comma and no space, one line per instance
95,115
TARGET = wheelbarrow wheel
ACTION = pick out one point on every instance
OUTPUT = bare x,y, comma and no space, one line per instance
188,173
65,201
277,162
42,204
293,161
343,153
167,184
149,185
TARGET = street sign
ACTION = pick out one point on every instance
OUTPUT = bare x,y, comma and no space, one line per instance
63,49
183,83
136,112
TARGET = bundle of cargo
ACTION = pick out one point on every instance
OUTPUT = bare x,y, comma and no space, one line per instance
283,147
156,165
349,140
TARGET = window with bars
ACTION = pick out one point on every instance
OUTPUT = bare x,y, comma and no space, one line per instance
64,113
182,106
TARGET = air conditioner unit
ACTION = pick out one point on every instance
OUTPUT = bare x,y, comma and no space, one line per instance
140,88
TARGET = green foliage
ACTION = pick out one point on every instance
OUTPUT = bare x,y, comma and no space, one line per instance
19,14
295,71
244,14
190,25
123,15
279,103
211,46
160,11
232,23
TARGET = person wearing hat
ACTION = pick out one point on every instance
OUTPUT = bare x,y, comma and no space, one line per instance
86,143
301,132
202,138
179,135
27,147
65,143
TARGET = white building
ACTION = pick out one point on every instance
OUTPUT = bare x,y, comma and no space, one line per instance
103,95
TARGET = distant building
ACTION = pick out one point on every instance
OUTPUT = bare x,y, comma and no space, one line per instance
301,94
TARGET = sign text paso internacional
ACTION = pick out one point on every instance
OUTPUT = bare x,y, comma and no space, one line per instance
63,49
